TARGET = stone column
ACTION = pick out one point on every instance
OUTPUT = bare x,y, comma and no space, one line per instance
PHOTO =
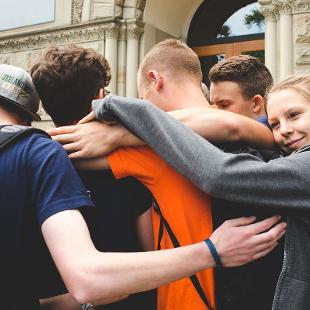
121,69
270,40
286,40
134,32
112,34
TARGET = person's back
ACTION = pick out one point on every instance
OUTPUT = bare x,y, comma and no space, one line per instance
119,204
113,223
186,210
22,246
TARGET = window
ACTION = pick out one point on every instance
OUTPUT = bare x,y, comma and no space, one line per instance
245,21
20,13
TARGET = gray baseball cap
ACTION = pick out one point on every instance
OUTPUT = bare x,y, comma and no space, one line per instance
16,86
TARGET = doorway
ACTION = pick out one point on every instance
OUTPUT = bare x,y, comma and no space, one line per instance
222,28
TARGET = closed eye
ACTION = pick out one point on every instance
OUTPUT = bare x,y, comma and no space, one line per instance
293,114
274,125
222,104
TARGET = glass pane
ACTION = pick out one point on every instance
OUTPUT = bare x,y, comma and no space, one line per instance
258,54
246,21
20,13
206,63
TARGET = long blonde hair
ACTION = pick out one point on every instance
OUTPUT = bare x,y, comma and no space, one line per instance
298,82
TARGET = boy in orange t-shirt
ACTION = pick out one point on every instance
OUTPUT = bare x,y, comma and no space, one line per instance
186,209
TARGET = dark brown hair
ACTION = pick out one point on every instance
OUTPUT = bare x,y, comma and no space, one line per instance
252,76
67,79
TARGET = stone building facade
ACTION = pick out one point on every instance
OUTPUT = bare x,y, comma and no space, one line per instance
124,30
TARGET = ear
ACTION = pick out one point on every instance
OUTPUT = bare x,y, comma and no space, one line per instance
100,94
258,104
155,79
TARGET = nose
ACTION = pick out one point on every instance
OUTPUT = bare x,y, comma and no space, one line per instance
285,130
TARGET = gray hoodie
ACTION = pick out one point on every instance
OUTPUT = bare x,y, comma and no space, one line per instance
282,183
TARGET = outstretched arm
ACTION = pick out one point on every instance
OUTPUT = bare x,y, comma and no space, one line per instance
91,276
224,126
281,183
94,139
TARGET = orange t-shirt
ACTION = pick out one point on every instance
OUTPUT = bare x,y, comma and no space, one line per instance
187,211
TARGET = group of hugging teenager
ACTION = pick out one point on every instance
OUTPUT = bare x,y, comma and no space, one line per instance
187,198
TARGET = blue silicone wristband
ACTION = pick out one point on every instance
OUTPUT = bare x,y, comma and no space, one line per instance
214,253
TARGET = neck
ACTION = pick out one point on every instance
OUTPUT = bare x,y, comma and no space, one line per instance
7,118
190,96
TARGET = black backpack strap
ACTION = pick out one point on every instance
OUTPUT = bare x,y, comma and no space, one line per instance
11,133
176,244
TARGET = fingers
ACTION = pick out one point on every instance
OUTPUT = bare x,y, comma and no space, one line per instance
264,252
261,246
66,138
263,225
71,147
272,235
61,130
241,221
88,118
77,155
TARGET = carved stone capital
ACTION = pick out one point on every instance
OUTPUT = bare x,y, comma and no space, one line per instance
275,7
123,32
286,7
76,11
301,6
112,31
134,31
269,13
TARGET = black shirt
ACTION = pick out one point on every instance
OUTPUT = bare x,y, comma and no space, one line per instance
112,223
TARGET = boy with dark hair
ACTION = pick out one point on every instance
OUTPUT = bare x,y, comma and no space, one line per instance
67,79
239,84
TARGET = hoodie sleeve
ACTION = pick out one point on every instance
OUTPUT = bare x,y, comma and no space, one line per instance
281,183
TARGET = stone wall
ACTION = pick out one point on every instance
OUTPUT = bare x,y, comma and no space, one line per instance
287,36
111,27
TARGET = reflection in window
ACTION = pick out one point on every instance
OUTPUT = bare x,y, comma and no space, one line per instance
245,21
20,13
258,54
206,62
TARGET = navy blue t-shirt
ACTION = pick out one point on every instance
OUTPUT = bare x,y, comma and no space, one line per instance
37,181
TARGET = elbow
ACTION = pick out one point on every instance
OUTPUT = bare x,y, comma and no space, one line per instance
85,289
81,294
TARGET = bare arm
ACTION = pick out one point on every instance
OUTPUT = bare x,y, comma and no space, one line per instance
223,126
91,276
94,139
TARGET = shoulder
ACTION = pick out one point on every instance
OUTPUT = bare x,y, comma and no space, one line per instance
140,153
37,144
